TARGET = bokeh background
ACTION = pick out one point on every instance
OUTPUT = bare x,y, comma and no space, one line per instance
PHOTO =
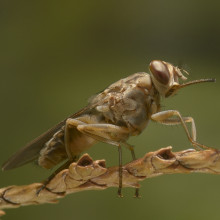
55,54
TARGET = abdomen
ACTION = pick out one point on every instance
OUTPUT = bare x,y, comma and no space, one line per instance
54,150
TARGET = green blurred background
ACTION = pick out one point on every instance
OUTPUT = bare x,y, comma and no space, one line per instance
55,54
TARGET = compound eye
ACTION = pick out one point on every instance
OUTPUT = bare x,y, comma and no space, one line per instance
160,71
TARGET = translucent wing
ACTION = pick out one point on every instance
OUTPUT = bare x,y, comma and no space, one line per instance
31,151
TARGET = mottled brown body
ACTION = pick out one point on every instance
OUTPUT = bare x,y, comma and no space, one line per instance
128,103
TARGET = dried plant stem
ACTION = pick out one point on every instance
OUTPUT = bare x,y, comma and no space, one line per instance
87,174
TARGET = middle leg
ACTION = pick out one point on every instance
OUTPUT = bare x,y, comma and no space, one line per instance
111,134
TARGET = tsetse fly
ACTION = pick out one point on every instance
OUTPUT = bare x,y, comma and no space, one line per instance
122,110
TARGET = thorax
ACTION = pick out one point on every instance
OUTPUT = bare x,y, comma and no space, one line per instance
129,102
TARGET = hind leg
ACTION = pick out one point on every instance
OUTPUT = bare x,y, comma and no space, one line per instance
71,157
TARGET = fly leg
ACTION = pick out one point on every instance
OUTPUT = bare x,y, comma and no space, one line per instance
176,121
120,172
164,117
64,166
107,133
71,158
131,148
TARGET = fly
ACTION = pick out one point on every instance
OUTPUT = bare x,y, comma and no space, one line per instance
122,110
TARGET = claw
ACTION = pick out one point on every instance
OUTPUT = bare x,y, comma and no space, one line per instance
137,195
119,193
